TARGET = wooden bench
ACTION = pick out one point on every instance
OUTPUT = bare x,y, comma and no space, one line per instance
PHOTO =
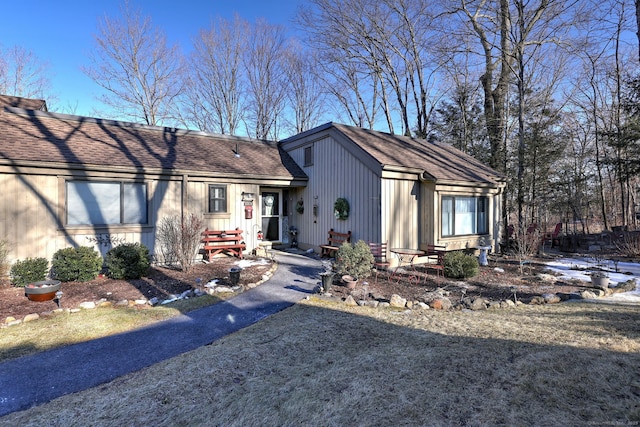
335,240
223,241
435,258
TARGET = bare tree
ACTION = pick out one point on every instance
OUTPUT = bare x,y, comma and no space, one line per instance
305,92
23,74
384,47
214,95
266,77
140,72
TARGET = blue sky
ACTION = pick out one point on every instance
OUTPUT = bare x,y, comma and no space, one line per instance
61,32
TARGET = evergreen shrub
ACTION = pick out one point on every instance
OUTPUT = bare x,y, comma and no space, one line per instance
79,264
354,260
128,261
458,265
28,271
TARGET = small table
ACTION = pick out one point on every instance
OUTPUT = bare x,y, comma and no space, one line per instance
406,257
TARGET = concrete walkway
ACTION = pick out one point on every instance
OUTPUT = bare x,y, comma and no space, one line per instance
39,378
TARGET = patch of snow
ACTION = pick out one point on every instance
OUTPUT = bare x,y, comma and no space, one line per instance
244,263
580,268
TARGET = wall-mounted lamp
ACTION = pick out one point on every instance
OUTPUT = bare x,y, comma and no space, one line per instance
248,197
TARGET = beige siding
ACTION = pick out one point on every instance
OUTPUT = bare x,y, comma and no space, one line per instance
400,218
336,172
32,213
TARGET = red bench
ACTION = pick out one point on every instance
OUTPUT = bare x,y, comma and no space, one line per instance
223,241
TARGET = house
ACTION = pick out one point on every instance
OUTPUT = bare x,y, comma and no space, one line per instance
71,180
407,192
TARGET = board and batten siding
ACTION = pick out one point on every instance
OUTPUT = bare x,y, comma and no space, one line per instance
336,172
400,217
198,203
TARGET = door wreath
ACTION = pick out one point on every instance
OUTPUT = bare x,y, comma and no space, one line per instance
341,208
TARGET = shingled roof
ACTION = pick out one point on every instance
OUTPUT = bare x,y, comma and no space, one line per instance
26,103
441,162
48,138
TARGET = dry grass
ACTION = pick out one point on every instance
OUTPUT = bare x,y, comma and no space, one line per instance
320,363
66,329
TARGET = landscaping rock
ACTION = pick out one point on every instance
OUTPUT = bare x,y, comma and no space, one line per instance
588,295
628,286
31,317
507,304
478,304
442,303
544,277
537,300
397,301
493,305
349,301
87,305
551,298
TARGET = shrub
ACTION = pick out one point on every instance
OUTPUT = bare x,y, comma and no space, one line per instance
28,271
79,264
179,239
354,260
128,261
459,265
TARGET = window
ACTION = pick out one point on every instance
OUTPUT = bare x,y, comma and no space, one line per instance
217,198
308,156
464,215
106,203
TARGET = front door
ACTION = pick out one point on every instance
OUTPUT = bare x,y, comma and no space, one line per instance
271,214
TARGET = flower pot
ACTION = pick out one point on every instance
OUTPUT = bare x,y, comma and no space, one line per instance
327,280
600,282
42,291
350,281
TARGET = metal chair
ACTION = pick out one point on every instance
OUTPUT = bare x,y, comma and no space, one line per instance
380,263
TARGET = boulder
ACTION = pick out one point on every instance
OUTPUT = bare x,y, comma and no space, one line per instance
551,298
350,301
87,305
31,317
397,301
478,304
588,295
628,286
537,300
441,303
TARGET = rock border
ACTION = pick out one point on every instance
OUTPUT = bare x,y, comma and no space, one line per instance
439,299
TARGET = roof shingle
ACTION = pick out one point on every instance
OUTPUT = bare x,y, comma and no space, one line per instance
57,138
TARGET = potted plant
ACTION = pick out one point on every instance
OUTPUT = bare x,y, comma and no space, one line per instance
354,262
600,279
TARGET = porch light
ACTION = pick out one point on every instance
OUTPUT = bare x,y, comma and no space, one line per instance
248,197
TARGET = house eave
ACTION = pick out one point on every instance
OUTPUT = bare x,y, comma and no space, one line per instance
62,169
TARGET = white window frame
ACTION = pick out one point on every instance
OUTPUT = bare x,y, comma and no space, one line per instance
211,198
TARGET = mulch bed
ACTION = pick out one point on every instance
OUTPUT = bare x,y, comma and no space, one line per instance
496,282
160,283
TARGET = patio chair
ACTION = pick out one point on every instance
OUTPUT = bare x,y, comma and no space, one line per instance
554,235
380,262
